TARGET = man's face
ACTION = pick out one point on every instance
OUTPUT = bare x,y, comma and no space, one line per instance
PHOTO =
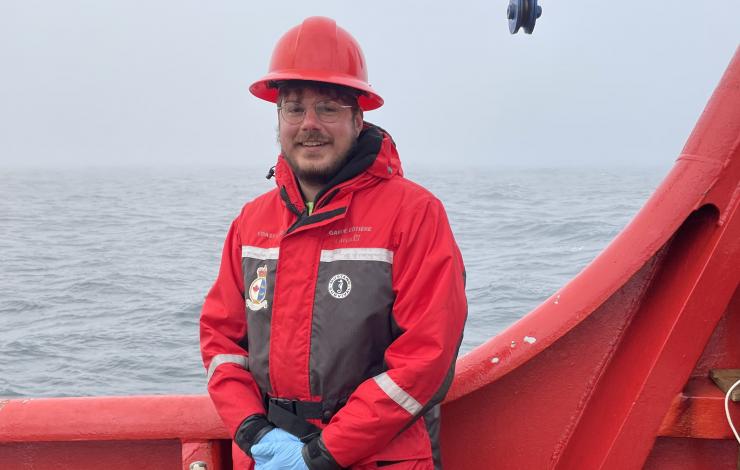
315,149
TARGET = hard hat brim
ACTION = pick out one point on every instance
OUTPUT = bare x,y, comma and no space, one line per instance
367,101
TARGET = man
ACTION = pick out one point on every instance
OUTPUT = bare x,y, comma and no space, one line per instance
339,306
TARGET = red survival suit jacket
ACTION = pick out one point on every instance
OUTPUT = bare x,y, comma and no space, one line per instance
359,306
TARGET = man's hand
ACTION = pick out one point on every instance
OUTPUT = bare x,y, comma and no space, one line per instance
278,450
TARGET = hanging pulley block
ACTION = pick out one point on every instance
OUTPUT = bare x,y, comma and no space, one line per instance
523,14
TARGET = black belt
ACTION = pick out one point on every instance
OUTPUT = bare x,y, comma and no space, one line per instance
291,415
302,409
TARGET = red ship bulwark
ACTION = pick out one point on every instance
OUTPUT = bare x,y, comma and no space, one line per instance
611,372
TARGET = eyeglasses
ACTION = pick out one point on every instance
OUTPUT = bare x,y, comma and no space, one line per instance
294,112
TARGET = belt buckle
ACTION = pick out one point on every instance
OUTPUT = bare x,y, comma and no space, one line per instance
284,403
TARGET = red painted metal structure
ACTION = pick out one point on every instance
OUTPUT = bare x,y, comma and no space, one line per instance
611,372
132,433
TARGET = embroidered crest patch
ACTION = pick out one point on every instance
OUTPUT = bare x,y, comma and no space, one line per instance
258,290
339,286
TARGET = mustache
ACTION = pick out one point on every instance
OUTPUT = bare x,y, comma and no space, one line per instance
312,136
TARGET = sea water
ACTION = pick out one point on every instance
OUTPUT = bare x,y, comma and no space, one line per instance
103,271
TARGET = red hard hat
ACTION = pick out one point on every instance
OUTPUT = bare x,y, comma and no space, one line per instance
320,51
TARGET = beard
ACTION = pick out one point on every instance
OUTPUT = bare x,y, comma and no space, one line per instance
319,173
315,174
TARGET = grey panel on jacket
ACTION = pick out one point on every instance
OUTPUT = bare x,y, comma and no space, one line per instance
258,320
352,326
432,422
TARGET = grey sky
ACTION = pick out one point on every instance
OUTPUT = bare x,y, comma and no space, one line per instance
165,82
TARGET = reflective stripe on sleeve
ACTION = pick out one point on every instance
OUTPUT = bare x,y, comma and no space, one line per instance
397,394
357,254
259,253
226,359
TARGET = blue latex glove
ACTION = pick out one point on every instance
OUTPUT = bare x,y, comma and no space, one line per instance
280,454
277,435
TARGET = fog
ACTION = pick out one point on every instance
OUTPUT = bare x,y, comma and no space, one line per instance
162,82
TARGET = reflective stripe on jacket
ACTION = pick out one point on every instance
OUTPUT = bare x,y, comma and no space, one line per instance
360,306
